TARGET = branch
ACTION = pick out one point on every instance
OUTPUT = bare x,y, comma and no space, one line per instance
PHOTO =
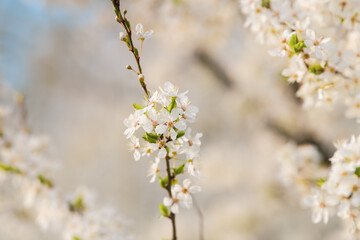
304,138
207,61
168,189
126,25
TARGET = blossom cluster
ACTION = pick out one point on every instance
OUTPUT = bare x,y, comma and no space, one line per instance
25,168
300,166
319,39
167,138
340,192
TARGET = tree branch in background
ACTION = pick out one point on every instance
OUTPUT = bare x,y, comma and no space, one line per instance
214,67
302,138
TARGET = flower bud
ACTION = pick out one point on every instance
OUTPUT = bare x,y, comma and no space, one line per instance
122,36
141,77
128,67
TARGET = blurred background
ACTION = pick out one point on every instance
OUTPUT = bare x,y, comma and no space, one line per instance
67,59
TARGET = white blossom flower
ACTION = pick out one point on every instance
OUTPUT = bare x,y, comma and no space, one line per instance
154,169
134,146
184,193
320,203
142,34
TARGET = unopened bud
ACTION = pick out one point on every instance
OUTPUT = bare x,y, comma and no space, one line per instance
122,36
124,11
141,77
117,19
128,67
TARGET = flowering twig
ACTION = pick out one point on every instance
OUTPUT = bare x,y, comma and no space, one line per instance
167,137
129,42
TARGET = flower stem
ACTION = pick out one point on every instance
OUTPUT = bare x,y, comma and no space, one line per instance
123,21
168,189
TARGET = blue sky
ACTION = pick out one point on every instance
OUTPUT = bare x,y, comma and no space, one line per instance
24,25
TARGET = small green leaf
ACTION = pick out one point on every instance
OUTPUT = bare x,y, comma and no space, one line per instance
299,47
45,181
151,137
117,12
266,3
164,182
316,69
357,171
321,182
164,210
172,105
167,149
293,40
78,205
296,45
127,23
137,106
180,134
179,169
10,169
127,41
136,51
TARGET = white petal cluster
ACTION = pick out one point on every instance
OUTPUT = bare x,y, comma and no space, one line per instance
340,192
320,39
181,195
160,130
299,165
25,169
142,34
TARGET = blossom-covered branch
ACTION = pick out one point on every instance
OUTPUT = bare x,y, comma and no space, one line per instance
320,40
27,168
162,122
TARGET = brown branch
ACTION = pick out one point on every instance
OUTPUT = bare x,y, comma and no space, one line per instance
126,25
214,67
303,138
168,189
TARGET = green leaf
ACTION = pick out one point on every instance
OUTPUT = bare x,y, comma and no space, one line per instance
179,169
45,181
357,171
167,149
180,134
299,47
117,12
293,40
172,105
127,24
127,41
164,210
296,45
151,137
266,3
10,169
321,182
136,51
78,205
316,69
164,182
137,106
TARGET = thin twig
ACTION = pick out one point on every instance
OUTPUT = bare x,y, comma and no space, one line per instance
214,67
126,25
304,138
168,189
